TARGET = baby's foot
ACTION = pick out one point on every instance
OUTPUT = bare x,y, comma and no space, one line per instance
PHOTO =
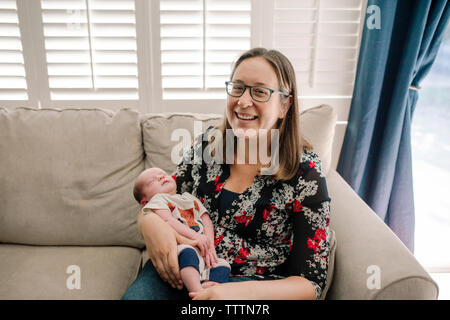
208,284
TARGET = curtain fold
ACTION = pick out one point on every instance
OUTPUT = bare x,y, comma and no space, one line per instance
376,153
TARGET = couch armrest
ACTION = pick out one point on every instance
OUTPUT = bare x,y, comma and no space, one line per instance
366,247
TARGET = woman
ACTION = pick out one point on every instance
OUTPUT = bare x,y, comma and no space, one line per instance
268,227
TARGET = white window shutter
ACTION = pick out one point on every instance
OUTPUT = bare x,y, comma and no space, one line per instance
13,85
200,39
91,49
321,38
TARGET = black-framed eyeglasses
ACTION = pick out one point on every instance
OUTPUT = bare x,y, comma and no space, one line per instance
260,94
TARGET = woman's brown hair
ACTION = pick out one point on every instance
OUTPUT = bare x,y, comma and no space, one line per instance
291,141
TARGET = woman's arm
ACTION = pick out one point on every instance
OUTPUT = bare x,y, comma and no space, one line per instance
311,215
291,288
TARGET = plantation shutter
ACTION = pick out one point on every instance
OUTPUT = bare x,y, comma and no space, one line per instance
13,85
321,38
200,39
91,50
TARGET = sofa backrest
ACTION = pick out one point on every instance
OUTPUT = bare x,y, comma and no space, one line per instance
66,176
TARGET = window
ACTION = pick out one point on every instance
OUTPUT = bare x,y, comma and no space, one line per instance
430,138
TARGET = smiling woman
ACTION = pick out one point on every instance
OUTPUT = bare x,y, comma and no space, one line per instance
272,227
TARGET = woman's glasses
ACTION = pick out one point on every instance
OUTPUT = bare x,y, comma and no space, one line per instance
260,94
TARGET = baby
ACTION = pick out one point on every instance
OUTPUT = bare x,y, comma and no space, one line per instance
199,267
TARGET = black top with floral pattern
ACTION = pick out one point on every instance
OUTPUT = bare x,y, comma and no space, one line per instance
275,228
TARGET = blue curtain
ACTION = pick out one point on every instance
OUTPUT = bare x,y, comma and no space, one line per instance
396,54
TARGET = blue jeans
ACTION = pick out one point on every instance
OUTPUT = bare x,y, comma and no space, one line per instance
149,286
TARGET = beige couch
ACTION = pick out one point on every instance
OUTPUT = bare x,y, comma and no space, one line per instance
68,218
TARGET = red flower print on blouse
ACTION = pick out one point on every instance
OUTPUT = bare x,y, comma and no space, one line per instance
202,200
174,177
314,243
312,164
268,211
320,234
243,253
238,261
298,207
243,219
260,270
218,185
218,239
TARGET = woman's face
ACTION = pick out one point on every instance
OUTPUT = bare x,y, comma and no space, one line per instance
255,71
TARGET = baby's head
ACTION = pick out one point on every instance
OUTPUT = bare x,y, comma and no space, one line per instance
153,181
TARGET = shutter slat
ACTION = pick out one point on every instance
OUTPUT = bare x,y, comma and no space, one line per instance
101,30
100,94
12,82
112,82
80,56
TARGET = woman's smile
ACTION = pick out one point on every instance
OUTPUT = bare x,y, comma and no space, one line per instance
245,116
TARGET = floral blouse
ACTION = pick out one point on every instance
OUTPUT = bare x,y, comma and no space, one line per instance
275,228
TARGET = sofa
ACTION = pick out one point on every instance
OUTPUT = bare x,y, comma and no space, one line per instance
68,217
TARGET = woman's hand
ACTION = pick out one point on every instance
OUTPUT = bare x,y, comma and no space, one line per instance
207,250
161,242
225,291
203,243
291,288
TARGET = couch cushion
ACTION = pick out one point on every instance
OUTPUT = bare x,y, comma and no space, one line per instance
66,176
41,272
157,129
317,125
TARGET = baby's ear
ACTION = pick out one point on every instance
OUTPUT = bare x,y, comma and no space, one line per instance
144,202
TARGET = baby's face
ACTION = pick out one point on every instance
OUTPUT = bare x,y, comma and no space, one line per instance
154,181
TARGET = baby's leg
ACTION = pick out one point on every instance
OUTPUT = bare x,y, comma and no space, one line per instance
189,268
191,279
